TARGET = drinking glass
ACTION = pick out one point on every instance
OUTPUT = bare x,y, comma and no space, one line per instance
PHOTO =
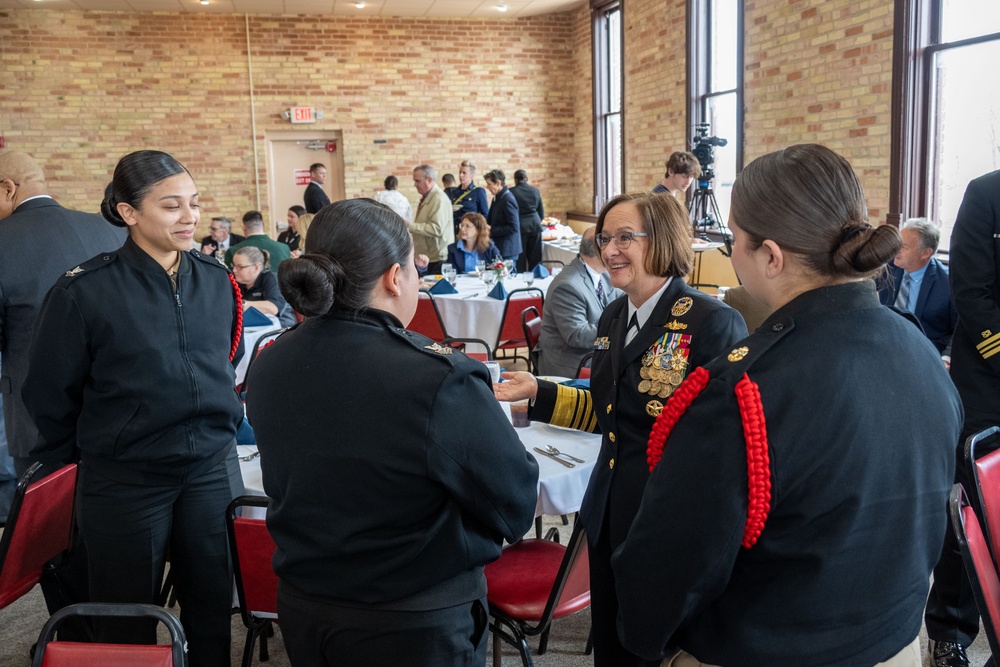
446,269
489,278
509,265
451,275
529,278
480,267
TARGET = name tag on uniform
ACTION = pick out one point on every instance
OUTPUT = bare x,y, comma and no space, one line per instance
602,343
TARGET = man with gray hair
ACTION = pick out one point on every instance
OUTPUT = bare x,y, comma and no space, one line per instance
220,237
573,304
432,227
918,283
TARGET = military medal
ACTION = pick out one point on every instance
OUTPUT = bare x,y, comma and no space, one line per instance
654,408
681,306
644,386
602,343
665,363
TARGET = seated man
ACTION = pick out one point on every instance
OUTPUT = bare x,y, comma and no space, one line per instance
573,304
253,227
918,283
220,237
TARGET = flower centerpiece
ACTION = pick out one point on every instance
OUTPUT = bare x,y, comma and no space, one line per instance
499,269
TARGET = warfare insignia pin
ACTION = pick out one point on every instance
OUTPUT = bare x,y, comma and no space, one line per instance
681,306
674,325
986,334
654,408
602,343
73,272
440,349
738,353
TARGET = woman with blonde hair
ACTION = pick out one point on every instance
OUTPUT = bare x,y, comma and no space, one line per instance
303,229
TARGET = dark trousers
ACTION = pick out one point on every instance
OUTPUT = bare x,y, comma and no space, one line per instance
318,633
608,649
128,528
951,614
531,251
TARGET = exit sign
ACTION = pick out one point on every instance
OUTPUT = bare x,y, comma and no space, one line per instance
303,115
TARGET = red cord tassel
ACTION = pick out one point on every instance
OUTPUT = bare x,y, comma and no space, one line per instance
678,404
758,459
239,317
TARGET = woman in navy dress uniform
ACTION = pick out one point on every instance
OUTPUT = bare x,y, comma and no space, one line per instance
130,371
647,341
796,504
402,478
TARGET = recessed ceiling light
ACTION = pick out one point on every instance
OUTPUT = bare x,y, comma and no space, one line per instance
501,8
359,5
204,2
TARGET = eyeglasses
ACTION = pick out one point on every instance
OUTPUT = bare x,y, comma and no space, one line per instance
240,267
622,239
215,229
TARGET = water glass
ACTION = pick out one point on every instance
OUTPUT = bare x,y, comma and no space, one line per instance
446,269
529,278
451,275
480,267
489,278
509,265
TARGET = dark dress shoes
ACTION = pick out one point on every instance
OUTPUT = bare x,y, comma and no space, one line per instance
948,654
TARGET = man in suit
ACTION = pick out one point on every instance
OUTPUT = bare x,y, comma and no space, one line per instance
253,227
531,210
573,305
431,229
919,283
951,616
315,198
39,242
220,237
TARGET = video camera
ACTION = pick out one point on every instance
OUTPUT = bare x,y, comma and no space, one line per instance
703,148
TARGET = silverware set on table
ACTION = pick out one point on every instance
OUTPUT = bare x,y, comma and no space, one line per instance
555,455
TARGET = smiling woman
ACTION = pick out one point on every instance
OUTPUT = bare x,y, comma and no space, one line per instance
141,392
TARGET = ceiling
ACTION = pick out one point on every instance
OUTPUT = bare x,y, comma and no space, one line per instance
437,8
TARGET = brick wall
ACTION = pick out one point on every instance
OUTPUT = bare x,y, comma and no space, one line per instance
80,89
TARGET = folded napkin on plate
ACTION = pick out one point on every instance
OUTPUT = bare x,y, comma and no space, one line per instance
442,287
254,318
540,271
499,292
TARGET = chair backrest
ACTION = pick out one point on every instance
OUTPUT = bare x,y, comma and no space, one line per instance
511,329
531,324
983,458
583,370
50,653
266,338
463,344
427,320
571,591
39,528
252,549
978,562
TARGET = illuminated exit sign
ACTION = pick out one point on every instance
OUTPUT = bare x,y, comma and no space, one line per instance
303,115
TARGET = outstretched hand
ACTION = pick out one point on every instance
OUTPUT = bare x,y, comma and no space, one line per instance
518,385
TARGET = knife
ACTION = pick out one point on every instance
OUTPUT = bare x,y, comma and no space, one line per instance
554,458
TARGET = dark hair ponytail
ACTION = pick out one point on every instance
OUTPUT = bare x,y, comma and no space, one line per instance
136,174
351,244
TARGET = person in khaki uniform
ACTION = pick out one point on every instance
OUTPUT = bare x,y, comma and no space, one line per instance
432,228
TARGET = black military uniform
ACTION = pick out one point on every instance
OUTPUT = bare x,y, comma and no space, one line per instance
952,614
290,239
390,497
831,430
265,288
686,329
133,375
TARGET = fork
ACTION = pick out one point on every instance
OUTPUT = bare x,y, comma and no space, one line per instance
553,450
250,457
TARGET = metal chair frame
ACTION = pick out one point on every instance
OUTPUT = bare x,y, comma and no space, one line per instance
258,622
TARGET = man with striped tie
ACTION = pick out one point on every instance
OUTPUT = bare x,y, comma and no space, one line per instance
951,617
573,304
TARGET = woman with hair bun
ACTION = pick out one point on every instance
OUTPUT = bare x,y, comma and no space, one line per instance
405,476
130,372
798,488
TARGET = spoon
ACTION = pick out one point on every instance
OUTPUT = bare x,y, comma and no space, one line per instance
553,450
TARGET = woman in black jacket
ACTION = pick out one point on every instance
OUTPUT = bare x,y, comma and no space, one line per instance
403,478
130,371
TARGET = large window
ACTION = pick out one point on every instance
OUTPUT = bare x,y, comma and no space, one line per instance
608,159
948,106
715,86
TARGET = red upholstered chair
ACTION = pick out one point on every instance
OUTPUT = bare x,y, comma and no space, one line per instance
39,528
983,457
531,324
427,320
510,336
531,584
583,370
251,549
51,653
265,339
978,563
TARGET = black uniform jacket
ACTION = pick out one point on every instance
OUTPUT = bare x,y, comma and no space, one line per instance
314,197
702,328
265,288
530,207
860,425
975,286
134,376
392,471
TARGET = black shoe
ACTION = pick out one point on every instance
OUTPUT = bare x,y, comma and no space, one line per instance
947,654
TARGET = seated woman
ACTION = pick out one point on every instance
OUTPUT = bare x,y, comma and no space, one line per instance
291,236
473,244
404,477
259,286
806,472
302,226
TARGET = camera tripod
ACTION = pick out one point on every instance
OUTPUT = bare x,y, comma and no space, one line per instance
705,214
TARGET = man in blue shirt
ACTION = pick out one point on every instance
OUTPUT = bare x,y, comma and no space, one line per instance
919,283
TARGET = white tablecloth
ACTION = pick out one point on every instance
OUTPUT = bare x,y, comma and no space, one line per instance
472,314
564,251
560,489
250,337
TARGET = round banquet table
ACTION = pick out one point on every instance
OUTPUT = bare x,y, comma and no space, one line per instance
472,314
250,337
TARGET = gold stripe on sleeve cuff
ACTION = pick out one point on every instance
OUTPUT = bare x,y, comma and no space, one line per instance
574,408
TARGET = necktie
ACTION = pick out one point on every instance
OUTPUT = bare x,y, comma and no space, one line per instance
903,298
602,298
633,329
